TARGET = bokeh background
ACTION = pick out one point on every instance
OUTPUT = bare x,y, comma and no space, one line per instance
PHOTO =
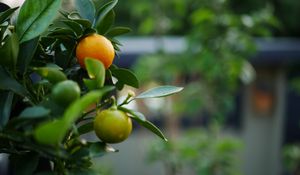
239,64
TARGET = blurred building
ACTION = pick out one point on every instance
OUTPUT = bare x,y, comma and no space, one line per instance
266,114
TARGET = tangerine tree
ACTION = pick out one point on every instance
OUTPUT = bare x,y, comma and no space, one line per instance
56,84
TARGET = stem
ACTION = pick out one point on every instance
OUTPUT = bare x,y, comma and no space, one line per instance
114,103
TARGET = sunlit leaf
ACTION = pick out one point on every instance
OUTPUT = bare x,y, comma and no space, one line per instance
96,71
161,91
51,133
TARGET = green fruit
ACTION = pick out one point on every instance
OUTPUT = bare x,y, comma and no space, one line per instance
112,125
65,92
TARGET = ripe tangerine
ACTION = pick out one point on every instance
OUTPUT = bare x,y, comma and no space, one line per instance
95,46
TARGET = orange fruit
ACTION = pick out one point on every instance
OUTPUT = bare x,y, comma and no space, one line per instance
112,125
95,46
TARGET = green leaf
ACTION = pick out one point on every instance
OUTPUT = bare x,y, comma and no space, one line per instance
83,22
9,51
34,18
141,119
86,128
161,91
34,112
134,114
76,108
96,71
104,25
6,99
147,124
63,32
90,84
86,9
26,53
104,10
117,31
53,75
74,26
52,133
99,149
125,76
8,83
6,14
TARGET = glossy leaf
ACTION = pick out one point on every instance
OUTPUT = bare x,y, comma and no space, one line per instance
140,118
86,9
9,51
117,31
134,114
9,83
96,71
6,99
74,26
35,16
104,25
6,14
125,76
147,124
63,32
34,112
104,10
53,75
83,22
161,91
26,53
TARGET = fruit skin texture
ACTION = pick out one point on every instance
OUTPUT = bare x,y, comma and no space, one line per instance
95,46
65,92
112,126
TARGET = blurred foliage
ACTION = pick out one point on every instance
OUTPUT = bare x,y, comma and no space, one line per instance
218,45
173,16
203,152
211,68
287,12
291,155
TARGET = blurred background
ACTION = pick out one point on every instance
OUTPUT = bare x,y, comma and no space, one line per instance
239,62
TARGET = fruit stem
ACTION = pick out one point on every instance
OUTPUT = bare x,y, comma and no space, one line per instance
114,103
128,98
